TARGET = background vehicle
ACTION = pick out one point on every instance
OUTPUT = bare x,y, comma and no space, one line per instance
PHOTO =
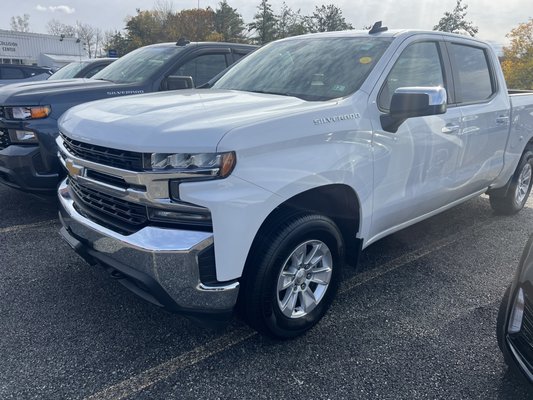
13,73
258,190
29,112
515,318
81,69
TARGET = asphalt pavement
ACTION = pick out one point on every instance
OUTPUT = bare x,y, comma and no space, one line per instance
416,321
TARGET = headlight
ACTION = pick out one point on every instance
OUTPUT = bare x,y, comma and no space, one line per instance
31,112
517,313
206,165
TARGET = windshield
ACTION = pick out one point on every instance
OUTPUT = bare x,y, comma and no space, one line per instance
312,69
68,71
138,65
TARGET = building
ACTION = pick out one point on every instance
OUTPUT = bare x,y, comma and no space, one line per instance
39,49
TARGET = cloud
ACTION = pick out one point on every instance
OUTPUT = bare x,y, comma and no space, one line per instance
61,9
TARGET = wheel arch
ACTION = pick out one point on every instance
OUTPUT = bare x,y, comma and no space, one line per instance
339,202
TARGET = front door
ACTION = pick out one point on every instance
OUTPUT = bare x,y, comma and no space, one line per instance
415,168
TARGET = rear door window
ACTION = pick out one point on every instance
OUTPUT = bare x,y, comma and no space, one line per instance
474,81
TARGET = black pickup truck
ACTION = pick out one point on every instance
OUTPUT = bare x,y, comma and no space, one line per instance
29,111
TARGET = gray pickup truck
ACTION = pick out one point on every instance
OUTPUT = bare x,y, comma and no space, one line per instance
29,111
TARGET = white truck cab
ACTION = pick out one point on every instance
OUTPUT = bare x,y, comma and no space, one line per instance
258,190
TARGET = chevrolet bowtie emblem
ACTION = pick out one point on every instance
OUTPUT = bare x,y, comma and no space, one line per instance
73,169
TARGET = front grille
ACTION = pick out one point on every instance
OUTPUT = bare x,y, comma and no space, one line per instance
122,159
4,139
2,112
113,212
523,341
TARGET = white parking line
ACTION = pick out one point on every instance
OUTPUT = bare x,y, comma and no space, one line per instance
158,373
17,228
407,258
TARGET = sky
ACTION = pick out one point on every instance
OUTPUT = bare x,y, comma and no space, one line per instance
494,18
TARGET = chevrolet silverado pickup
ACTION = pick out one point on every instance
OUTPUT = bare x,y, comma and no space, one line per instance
29,111
254,194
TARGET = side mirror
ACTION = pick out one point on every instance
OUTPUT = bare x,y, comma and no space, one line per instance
175,82
410,102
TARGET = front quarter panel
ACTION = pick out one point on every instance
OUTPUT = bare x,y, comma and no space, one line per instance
277,160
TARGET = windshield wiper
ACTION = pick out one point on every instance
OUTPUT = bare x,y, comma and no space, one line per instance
270,92
301,96
106,80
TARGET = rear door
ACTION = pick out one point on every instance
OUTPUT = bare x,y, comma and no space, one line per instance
484,112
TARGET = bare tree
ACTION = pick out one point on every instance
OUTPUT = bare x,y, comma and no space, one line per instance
86,33
55,27
20,23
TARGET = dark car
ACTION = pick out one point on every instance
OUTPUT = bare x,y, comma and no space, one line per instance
12,73
515,318
81,69
29,111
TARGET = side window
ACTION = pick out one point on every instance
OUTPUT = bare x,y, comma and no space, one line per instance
472,72
202,68
418,65
12,73
93,71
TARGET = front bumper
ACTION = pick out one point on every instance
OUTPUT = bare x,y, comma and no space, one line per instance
21,167
30,167
158,264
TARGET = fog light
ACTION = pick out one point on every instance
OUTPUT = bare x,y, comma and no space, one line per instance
517,313
199,217
22,136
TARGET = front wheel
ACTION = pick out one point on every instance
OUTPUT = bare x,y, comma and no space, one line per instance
292,276
519,189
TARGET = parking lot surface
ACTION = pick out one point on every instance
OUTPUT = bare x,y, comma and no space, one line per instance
416,321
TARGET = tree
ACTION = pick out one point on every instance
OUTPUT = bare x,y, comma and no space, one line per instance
327,18
116,41
195,24
20,23
517,61
290,23
57,28
228,23
455,22
264,24
86,33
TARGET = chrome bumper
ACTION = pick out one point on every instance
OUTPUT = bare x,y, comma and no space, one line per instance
163,260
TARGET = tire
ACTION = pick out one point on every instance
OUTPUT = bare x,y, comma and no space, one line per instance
500,322
519,189
300,256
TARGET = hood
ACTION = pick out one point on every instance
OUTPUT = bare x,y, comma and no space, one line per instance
185,120
34,93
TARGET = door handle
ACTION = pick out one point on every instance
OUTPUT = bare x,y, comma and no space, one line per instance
502,119
450,128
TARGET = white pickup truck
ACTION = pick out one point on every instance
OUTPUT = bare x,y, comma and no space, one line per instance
254,194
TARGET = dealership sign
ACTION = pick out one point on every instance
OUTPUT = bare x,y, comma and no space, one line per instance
8,47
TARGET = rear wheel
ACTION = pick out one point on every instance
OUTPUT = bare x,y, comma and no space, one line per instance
292,276
519,189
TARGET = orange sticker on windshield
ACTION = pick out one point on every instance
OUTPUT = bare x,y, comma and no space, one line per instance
365,60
